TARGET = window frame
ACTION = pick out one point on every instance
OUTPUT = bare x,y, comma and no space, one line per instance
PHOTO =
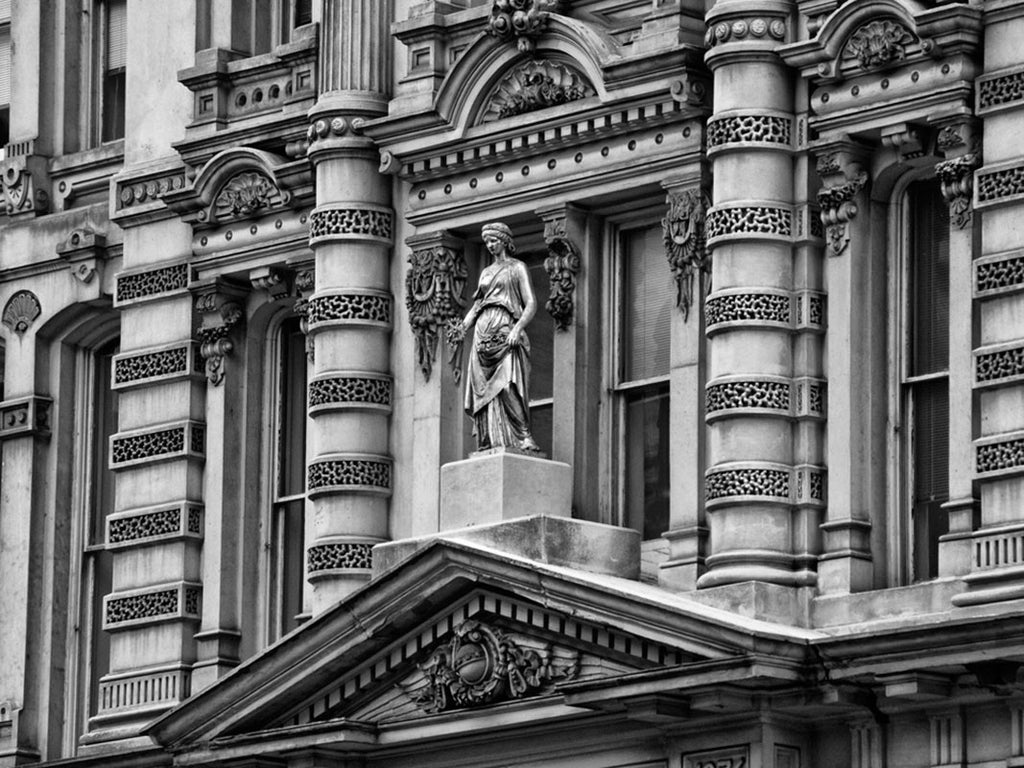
901,383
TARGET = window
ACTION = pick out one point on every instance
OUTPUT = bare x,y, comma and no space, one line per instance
646,297
924,384
287,515
93,494
112,67
5,75
257,26
541,332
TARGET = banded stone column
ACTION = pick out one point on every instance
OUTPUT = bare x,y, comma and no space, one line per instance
752,486
350,313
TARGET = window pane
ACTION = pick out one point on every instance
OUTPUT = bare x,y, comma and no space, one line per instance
117,35
292,434
646,460
648,295
929,279
5,67
113,106
541,331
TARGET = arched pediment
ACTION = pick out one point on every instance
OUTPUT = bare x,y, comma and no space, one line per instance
465,95
242,183
871,36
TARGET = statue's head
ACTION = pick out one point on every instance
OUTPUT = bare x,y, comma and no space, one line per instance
499,231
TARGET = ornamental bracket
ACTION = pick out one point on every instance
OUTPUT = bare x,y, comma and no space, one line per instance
84,251
959,140
523,21
841,167
220,306
562,265
435,286
685,241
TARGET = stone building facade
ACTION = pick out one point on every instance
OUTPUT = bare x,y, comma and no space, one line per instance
778,376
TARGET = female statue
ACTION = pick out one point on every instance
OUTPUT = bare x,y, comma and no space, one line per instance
497,386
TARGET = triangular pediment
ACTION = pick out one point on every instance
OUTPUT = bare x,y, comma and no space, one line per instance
462,630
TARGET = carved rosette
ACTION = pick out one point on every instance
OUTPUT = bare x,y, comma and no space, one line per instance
520,20
685,237
844,181
535,85
481,665
956,177
562,266
878,43
220,309
434,295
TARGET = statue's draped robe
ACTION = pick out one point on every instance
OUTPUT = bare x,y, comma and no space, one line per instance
497,390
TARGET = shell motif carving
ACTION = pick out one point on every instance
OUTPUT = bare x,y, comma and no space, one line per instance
878,43
21,311
535,85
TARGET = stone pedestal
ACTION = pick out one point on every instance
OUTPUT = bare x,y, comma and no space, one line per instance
492,487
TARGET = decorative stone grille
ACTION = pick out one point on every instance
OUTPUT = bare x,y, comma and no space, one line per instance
157,445
996,185
163,522
999,550
1001,90
771,395
145,606
195,520
345,222
328,557
155,282
350,390
145,366
995,457
351,307
999,275
749,220
342,473
765,129
748,307
771,483
998,365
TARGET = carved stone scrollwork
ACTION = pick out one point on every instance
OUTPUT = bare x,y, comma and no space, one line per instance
562,266
956,179
878,43
219,306
844,179
246,194
685,240
435,296
23,180
481,665
274,280
520,20
21,311
535,85
304,284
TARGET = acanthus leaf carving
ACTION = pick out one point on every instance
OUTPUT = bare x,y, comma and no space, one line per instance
844,178
535,85
685,238
218,304
878,43
434,295
562,266
244,195
956,179
481,665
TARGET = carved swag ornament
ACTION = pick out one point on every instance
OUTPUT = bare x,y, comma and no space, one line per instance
481,665
685,242
434,295
520,20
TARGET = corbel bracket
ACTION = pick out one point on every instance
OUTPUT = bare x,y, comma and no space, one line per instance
220,305
841,167
85,252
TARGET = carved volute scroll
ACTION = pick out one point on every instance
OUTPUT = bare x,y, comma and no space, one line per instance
220,307
686,242
562,266
535,85
435,285
481,665
844,178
